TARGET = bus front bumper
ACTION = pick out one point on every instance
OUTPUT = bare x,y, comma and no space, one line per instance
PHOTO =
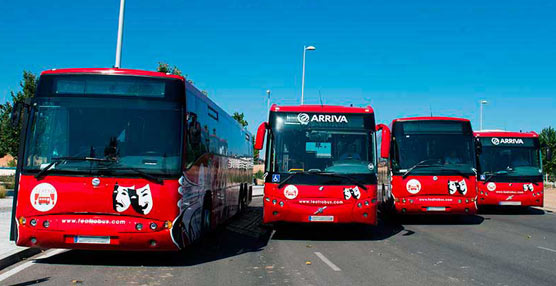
319,210
95,232
435,205
528,199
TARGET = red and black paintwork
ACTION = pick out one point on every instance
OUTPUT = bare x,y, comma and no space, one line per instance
512,193
319,200
315,199
84,205
433,196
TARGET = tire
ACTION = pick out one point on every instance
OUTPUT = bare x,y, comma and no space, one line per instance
206,222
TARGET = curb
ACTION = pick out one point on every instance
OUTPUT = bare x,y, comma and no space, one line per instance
17,256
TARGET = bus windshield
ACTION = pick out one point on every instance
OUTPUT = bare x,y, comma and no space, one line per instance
516,158
435,146
316,148
133,133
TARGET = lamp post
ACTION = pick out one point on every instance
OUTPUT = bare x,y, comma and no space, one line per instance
120,35
267,100
482,102
305,49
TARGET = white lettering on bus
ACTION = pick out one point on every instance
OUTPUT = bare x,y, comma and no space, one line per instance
329,118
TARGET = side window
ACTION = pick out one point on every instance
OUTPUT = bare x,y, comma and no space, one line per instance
194,129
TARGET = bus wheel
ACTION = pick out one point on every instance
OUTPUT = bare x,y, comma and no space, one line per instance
242,202
205,216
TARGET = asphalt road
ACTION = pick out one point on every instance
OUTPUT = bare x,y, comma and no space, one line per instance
493,248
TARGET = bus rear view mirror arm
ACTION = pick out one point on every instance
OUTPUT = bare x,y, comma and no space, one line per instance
261,132
385,142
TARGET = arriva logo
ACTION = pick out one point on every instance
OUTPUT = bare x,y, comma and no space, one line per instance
303,118
497,141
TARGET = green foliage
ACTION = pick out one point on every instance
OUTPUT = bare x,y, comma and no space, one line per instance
9,136
239,117
165,68
3,192
259,175
12,163
547,139
255,152
7,181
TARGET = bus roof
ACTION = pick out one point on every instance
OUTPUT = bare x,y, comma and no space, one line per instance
430,118
499,133
114,71
321,108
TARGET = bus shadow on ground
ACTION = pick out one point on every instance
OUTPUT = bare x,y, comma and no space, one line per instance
428,219
241,234
336,232
511,210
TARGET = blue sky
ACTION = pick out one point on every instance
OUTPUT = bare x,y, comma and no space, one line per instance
404,58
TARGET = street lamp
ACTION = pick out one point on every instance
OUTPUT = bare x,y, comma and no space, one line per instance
309,48
120,35
482,102
267,100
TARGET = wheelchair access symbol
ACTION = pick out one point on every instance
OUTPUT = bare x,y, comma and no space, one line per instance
276,178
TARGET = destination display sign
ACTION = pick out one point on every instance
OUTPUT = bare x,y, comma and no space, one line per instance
328,120
509,141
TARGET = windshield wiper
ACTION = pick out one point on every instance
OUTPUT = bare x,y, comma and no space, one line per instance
501,172
57,160
354,181
139,172
420,165
288,178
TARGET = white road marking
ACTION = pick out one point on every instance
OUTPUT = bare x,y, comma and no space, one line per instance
21,267
546,248
328,262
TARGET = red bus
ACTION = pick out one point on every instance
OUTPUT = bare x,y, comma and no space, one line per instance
510,169
125,159
431,166
320,164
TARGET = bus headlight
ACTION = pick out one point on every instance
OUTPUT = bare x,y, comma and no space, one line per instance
139,226
153,226
46,223
33,222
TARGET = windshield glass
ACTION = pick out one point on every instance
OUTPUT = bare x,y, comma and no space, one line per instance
134,132
435,145
344,149
518,157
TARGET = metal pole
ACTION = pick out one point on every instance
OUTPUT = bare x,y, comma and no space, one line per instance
120,35
481,116
268,100
303,75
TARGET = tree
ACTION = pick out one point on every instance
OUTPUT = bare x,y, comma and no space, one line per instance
239,117
165,68
547,139
9,135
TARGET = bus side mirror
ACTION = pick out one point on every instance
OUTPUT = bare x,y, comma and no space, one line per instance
15,117
385,142
261,132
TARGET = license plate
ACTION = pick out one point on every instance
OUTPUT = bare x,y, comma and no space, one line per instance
328,218
436,209
92,239
509,203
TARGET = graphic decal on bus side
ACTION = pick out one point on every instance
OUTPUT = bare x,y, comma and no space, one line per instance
528,187
352,192
44,197
413,186
455,186
140,199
